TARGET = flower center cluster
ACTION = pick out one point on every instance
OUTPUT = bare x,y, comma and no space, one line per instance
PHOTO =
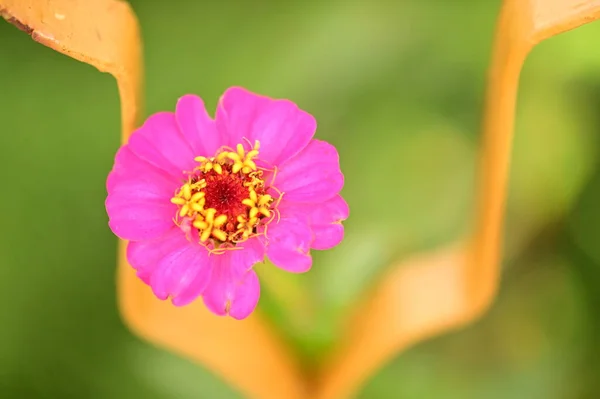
225,197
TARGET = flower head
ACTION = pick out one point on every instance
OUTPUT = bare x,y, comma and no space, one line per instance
201,201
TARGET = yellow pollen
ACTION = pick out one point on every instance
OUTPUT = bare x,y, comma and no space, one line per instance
265,199
243,161
187,191
209,225
188,202
236,172
258,206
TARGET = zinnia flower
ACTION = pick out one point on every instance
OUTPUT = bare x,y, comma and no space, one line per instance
201,201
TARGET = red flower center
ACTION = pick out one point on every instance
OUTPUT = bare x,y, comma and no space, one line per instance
225,192
225,198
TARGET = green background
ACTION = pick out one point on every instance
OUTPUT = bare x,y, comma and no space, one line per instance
398,88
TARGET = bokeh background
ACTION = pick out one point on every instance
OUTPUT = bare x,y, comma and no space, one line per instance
398,88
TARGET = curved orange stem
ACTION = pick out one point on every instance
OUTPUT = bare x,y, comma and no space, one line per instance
435,292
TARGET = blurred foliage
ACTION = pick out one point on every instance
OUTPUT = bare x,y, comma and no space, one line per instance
398,88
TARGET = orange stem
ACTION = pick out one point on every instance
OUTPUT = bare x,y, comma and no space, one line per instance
432,293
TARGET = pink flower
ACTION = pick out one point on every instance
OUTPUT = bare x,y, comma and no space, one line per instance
201,200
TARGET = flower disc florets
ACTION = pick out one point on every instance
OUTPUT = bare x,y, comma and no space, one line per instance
225,197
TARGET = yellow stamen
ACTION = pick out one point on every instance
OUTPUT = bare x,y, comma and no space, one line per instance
219,235
253,196
197,197
198,206
237,167
184,210
205,235
200,224
243,161
234,157
209,225
264,200
220,220
240,151
253,212
221,157
186,191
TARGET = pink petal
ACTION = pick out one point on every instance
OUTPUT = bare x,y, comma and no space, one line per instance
144,276
129,166
333,210
236,112
327,236
139,219
185,271
143,187
160,143
194,289
234,288
138,201
172,266
252,253
246,296
326,223
311,176
237,298
288,245
197,127
282,129
144,256
325,219
140,183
